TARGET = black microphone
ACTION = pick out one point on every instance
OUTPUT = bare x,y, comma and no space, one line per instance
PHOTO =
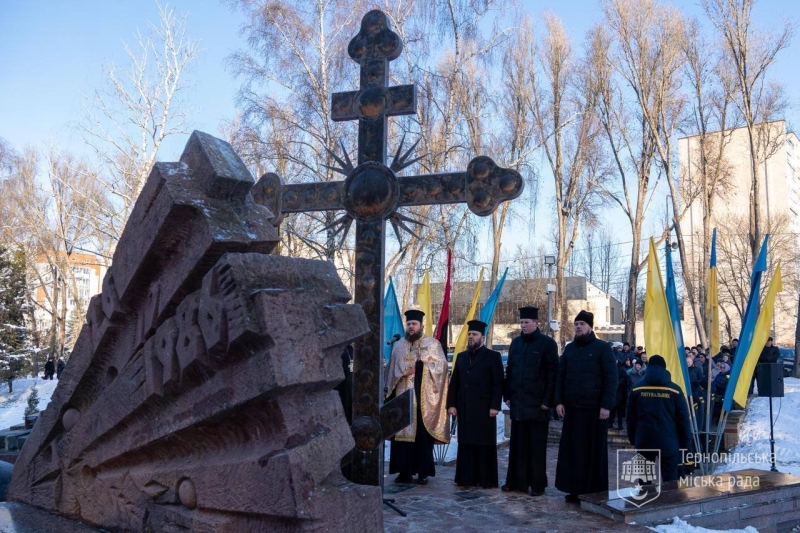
395,338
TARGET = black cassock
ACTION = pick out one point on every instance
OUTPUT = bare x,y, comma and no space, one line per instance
476,386
409,458
587,382
583,452
530,384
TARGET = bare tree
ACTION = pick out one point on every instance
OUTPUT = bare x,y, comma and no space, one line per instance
296,58
733,249
565,125
751,53
707,173
49,221
650,48
130,117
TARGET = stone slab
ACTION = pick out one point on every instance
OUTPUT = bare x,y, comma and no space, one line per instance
713,502
21,518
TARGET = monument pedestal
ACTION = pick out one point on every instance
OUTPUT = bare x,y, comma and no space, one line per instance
730,500
22,518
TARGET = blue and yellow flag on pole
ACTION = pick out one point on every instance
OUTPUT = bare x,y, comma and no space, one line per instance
712,301
461,343
393,322
748,325
487,313
658,335
674,313
424,303
763,327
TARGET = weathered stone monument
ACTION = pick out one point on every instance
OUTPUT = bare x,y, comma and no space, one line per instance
198,396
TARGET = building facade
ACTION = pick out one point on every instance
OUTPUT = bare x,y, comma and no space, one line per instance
581,294
779,199
56,289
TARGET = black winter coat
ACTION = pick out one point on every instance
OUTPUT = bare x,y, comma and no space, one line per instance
587,375
531,376
475,387
769,354
658,417
696,381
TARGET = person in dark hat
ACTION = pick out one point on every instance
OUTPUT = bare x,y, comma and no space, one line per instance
586,388
474,396
658,419
528,390
418,363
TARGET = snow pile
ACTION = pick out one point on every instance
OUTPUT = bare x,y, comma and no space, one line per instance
679,526
754,433
13,404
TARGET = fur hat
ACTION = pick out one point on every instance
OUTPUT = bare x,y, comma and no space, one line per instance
414,314
585,316
477,325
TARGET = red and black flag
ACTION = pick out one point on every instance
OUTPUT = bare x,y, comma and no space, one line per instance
444,316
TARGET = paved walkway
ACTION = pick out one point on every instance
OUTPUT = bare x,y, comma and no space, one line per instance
442,506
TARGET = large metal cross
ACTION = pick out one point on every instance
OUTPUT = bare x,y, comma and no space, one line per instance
371,195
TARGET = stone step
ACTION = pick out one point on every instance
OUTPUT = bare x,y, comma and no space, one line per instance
721,501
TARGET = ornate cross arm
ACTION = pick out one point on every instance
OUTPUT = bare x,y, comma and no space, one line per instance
483,186
395,415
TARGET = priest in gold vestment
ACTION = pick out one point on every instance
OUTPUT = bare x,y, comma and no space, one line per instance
418,362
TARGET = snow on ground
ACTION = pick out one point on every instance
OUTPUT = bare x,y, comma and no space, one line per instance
753,449
13,404
679,526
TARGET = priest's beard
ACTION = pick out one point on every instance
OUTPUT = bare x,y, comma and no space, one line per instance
581,338
472,347
413,337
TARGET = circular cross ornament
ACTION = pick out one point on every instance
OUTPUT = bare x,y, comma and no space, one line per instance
367,433
371,192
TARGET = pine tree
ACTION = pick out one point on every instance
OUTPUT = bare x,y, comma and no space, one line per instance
13,331
33,403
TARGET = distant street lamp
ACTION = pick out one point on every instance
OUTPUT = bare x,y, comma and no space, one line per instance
550,260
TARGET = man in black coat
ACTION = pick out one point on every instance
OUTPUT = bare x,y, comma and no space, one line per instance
770,354
586,388
658,418
528,390
474,396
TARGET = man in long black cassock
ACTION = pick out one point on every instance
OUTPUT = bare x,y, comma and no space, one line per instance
474,396
528,390
586,388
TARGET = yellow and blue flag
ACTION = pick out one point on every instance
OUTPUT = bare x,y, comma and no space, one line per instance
763,327
487,313
748,326
712,301
658,334
461,343
672,303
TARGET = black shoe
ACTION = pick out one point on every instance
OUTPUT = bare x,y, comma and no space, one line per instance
403,478
506,488
572,498
534,493
422,480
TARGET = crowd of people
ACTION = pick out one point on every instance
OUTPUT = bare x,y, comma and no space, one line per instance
591,385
